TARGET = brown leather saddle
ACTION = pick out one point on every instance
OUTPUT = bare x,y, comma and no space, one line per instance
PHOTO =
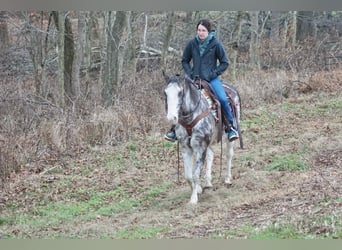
221,118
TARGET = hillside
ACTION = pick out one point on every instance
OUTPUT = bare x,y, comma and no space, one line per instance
287,184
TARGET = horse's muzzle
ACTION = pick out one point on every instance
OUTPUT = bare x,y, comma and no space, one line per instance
172,118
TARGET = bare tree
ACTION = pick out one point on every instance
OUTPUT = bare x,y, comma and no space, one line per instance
254,44
167,38
4,37
113,64
236,42
37,37
59,21
132,42
69,53
275,28
66,51
306,26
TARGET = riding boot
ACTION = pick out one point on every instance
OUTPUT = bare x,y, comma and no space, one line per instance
171,134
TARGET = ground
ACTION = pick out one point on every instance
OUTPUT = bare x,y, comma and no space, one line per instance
287,184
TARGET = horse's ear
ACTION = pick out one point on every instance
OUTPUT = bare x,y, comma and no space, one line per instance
166,77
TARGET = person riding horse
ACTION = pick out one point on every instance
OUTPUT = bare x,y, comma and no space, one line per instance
204,51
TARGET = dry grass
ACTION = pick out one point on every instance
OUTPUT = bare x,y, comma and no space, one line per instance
34,128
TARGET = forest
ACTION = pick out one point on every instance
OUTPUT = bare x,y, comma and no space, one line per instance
73,83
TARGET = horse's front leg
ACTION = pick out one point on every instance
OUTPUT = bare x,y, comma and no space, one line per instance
209,159
230,153
196,185
188,164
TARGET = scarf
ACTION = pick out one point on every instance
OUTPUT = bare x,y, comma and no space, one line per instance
204,44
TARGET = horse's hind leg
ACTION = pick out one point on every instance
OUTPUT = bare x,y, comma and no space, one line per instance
209,159
230,153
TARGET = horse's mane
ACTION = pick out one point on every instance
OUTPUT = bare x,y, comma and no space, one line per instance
180,78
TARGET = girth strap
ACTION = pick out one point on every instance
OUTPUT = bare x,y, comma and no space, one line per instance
189,127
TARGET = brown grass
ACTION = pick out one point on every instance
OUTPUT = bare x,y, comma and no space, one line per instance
39,128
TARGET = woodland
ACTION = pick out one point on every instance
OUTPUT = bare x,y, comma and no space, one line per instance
75,82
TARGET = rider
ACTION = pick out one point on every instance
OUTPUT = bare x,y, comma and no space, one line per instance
205,50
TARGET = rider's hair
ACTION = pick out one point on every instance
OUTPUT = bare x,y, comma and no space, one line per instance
206,23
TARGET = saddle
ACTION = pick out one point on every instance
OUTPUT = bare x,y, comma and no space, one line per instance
231,94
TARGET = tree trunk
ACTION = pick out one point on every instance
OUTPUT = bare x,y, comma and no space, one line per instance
112,71
167,38
130,63
59,21
65,61
69,51
38,48
236,43
306,27
4,37
78,59
275,29
254,45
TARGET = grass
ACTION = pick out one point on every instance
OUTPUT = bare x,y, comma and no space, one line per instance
289,162
261,119
138,232
324,227
135,178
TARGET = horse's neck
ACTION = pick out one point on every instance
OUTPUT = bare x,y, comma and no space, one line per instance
191,101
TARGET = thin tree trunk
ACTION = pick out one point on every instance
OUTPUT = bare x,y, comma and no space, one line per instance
4,37
78,59
112,72
167,38
293,28
236,43
275,21
59,17
130,63
254,45
69,52
306,27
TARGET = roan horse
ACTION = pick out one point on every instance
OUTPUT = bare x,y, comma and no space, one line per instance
186,106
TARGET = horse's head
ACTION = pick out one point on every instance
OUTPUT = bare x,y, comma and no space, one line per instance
174,93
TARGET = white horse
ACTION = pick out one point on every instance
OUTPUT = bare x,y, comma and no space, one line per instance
196,130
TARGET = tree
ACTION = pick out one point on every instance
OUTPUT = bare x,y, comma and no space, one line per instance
4,37
167,38
114,60
236,34
306,27
37,38
254,44
59,21
66,51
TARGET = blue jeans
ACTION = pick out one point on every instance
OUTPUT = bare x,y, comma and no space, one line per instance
222,97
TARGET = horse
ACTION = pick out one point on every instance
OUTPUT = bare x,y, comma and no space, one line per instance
196,130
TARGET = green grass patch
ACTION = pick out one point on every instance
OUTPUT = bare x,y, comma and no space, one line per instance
278,232
261,119
4,221
288,162
153,192
168,144
140,233
270,232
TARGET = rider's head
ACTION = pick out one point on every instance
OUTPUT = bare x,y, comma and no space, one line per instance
203,28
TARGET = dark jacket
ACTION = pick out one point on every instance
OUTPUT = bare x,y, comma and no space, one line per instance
204,66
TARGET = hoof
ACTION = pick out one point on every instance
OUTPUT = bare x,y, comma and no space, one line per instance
228,184
199,189
192,203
